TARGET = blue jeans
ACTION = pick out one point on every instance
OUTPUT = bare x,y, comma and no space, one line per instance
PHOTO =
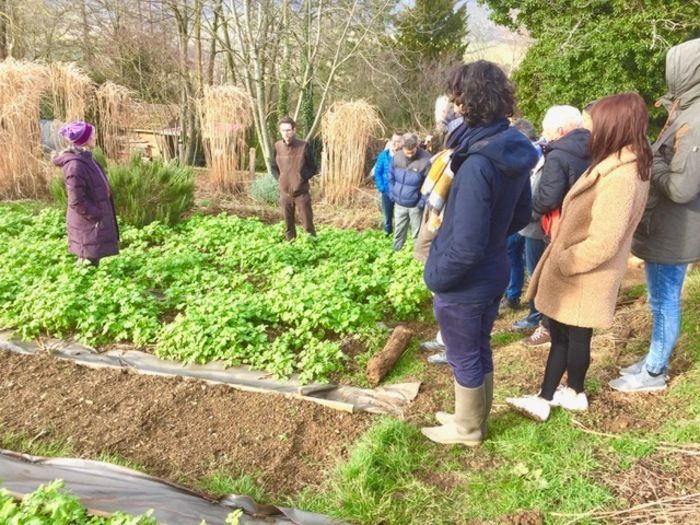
664,283
388,210
534,248
515,245
466,330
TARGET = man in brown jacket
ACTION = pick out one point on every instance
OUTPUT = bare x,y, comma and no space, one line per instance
293,166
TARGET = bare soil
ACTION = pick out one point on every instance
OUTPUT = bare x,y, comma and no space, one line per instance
656,477
185,430
177,429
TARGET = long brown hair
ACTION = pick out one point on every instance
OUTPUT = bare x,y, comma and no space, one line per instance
619,121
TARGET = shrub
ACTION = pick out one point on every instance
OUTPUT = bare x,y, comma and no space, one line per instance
99,155
151,191
144,192
57,189
265,189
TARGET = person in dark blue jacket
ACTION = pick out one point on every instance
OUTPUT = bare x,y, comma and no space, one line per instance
408,171
467,268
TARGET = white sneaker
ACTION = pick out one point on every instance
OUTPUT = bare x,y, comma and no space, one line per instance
532,406
568,399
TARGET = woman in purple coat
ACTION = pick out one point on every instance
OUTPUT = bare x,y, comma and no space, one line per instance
91,220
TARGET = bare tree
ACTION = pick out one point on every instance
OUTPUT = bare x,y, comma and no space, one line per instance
325,35
188,21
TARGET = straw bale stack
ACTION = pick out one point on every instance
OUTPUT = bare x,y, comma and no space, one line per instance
226,114
346,129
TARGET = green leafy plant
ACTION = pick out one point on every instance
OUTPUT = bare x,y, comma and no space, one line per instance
210,289
52,505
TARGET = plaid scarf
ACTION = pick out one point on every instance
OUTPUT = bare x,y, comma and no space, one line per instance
436,188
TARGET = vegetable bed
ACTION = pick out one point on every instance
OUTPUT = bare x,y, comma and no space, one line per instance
210,288
52,505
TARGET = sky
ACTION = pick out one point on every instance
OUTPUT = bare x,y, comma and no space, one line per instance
481,28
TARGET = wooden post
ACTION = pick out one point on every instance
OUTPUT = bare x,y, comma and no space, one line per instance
251,164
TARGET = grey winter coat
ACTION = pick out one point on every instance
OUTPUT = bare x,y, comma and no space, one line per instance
90,217
669,232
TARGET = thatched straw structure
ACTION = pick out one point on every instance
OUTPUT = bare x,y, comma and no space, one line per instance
23,87
71,91
22,173
113,117
346,130
226,114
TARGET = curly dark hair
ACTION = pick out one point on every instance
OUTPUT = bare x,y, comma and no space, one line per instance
482,91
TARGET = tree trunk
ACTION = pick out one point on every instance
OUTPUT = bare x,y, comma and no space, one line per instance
187,111
197,21
86,45
4,28
212,45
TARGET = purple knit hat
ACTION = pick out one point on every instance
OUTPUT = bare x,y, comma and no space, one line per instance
77,132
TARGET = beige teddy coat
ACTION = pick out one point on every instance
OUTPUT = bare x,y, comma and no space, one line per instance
578,277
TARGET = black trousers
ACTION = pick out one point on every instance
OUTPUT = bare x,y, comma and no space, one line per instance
570,352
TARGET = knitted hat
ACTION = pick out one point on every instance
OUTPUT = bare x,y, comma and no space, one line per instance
77,133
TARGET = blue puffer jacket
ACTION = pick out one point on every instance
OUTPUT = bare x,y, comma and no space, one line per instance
489,200
406,177
381,171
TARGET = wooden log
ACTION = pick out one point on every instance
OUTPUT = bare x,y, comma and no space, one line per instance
382,362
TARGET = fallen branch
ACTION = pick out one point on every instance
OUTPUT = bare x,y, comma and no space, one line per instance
640,510
679,448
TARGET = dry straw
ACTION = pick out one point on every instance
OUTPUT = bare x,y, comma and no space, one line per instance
71,91
226,114
114,115
22,171
346,129
23,86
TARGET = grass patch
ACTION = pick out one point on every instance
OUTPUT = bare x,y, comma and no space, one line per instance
627,449
379,482
537,467
36,445
544,467
222,483
117,459
408,366
635,291
499,339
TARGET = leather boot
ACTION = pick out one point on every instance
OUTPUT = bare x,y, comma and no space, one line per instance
445,418
465,428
